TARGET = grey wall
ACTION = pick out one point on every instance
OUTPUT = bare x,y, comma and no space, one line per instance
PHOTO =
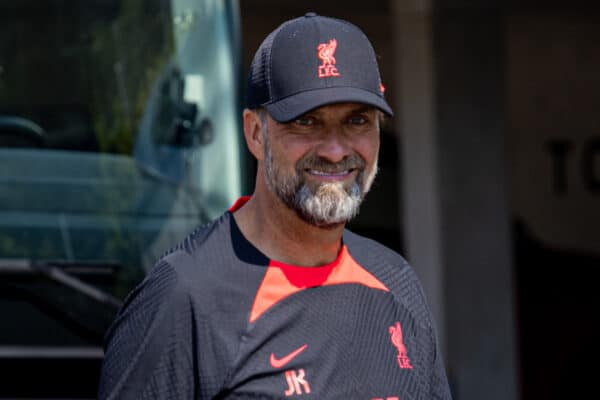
456,213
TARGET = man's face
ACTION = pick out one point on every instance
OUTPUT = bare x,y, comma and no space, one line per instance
322,164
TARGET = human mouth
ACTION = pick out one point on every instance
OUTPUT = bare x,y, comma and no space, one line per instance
330,175
317,172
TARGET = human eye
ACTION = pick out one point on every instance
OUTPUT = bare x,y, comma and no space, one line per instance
357,120
304,120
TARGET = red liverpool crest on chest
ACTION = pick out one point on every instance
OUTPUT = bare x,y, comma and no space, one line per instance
326,53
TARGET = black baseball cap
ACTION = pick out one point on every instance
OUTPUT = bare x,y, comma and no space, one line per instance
312,61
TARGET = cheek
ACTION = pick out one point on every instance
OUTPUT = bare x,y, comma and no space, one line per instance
294,150
286,156
368,148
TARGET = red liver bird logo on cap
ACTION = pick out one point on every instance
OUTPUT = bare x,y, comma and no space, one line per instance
397,340
325,52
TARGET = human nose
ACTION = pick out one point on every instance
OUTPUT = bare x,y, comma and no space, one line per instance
334,147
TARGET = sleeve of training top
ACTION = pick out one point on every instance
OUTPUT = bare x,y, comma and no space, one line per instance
439,382
149,347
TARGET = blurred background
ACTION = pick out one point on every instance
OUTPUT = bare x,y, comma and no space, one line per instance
120,132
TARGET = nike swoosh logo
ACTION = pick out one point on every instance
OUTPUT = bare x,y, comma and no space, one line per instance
278,363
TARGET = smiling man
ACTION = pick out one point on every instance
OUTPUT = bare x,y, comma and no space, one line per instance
332,176
276,299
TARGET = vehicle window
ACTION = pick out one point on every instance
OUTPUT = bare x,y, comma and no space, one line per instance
119,135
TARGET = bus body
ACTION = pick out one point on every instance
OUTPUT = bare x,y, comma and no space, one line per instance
119,135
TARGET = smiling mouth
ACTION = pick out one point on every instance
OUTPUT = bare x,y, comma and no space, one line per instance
331,176
330,173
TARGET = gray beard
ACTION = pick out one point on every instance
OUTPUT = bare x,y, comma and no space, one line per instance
329,204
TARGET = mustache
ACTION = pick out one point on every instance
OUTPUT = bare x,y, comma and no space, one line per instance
352,161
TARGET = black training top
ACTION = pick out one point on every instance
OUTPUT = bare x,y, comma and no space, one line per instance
216,318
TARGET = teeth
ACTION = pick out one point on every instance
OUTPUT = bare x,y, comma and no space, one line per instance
315,172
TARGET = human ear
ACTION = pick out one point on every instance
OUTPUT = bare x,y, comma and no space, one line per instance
253,133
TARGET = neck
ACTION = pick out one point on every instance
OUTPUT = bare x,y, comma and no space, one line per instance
282,235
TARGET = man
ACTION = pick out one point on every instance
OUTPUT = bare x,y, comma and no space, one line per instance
276,299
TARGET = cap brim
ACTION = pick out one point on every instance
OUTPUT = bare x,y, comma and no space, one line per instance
294,106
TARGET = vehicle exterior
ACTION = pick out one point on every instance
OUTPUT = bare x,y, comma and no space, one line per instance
119,135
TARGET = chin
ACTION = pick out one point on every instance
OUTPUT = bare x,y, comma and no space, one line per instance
328,226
